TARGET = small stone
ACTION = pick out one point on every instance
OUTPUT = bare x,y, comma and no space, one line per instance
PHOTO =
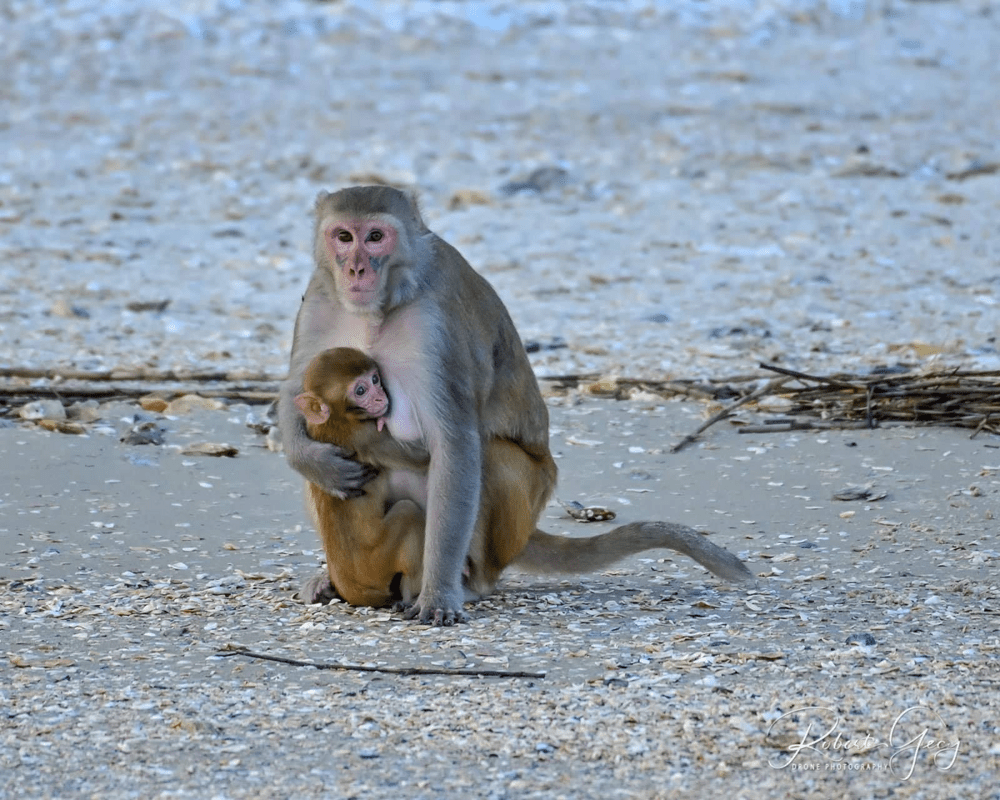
192,402
85,411
60,308
860,493
42,409
464,198
217,450
153,403
61,426
541,180
138,306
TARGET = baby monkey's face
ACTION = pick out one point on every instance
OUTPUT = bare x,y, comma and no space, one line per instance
367,393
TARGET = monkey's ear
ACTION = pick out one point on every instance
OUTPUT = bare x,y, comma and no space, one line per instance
413,198
313,409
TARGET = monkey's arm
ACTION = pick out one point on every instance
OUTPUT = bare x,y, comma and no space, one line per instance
378,447
454,485
325,465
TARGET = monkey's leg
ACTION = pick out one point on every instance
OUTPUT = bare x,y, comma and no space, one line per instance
403,546
375,551
516,488
323,511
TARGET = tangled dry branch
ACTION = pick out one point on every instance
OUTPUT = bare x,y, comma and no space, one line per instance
955,398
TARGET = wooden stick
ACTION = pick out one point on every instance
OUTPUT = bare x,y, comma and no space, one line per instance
980,426
475,673
139,374
803,376
768,388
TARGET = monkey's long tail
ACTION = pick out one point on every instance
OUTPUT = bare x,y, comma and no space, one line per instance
548,553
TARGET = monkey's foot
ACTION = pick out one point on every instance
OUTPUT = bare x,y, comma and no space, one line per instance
318,589
438,614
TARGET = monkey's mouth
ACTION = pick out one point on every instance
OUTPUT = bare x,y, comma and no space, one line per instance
363,297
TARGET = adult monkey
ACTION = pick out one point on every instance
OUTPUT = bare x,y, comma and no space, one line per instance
461,386
450,358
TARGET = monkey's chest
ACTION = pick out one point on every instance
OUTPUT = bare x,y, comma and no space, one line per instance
400,347
402,422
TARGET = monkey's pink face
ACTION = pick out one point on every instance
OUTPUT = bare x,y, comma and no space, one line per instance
367,393
360,249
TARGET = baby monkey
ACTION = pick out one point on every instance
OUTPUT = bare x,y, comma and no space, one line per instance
372,539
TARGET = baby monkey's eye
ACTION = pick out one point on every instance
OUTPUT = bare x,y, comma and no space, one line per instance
359,391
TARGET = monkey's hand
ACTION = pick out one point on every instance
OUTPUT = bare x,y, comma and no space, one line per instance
329,467
438,609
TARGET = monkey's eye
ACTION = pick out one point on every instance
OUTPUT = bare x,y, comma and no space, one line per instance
375,236
375,379
360,390
345,236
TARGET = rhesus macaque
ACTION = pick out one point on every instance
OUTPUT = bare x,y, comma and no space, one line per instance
368,540
462,389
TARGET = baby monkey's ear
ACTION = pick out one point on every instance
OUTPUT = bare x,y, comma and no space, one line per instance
313,409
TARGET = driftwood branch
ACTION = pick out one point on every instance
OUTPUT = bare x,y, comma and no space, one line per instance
474,673
139,374
124,384
779,426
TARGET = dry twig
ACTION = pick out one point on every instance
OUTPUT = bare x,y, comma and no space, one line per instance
71,391
475,673
767,389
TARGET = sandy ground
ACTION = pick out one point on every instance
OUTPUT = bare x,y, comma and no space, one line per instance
811,184
128,569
